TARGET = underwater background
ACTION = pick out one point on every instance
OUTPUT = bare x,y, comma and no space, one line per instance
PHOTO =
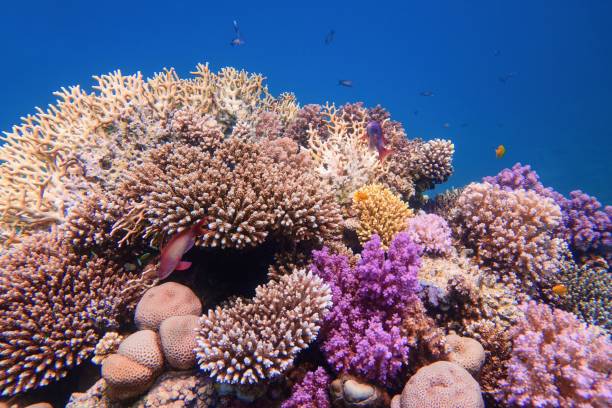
535,76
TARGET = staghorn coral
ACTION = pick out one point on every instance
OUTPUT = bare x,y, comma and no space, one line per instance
511,233
243,193
441,384
164,301
54,303
311,391
379,212
361,334
431,232
254,340
108,344
557,361
308,118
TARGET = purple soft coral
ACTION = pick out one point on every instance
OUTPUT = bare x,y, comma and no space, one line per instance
431,232
361,333
311,392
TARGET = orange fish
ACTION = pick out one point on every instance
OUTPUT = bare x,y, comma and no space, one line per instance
360,196
560,290
500,151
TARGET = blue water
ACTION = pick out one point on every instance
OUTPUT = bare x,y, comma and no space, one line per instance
554,113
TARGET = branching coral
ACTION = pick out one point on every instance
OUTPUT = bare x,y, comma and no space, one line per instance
243,193
431,232
362,335
511,233
557,361
250,341
434,161
380,212
53,305
311,391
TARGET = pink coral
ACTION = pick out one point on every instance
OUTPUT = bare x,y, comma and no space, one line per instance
431,232
557,361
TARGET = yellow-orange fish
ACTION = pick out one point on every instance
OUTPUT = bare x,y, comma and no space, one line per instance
360,196
560,290
500,151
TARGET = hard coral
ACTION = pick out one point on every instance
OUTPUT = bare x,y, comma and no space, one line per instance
53,306
557,361
163,301
379,212
350,392
466,352
511,233
434,162
179,389
125,378
254,340
177,334
361,335
144,348
431,232
311,392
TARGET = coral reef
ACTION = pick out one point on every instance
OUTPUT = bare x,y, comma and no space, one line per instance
466,352
431,232
144,348
511,233
311,391
434,162
107,345
179,389
125,378
557,361
361,334
177,335
350,392
379,212
441,384
164,301
254,340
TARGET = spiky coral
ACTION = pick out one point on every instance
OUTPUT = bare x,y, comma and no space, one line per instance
54,303
251,341
380,212
557,361
361,334
434,163
511,232
243,193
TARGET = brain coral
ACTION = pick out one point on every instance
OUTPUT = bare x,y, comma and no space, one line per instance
466,352
143,347
177,335
379,212
125,378
163,301
431,232
53,305
254,340
557,361
511,233
443,385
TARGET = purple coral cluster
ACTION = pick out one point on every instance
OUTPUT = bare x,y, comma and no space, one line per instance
361,334
585,226
311,391
431,232
557,361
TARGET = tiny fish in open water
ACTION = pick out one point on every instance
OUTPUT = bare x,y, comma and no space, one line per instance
238,39
329,38
346,82
427,93
500,151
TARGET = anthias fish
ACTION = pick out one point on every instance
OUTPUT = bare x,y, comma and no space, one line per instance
345,82
377,140
172,253
500,151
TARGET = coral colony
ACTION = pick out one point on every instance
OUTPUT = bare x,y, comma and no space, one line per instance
199,242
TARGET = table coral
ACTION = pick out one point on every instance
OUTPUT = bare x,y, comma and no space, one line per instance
361,334
557,361
53,306
250,341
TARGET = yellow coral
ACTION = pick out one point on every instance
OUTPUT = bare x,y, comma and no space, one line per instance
379,212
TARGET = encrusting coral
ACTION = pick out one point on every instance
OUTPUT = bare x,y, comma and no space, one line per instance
379,212
53,307
557,361
250,341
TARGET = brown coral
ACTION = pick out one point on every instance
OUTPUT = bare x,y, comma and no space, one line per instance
163,301
177,334
434,161
144,348
466,352
250,341
53,305
107,345
351,392
379,212
179,389
125,378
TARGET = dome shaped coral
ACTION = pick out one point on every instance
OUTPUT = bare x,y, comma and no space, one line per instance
178,335
163,301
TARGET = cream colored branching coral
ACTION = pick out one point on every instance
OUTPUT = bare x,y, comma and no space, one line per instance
511,233
243,193
57,155
344,158
53,305
250,341
379,212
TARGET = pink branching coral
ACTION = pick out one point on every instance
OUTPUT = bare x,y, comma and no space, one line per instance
361,334
511,232
557,361
311,392
431,232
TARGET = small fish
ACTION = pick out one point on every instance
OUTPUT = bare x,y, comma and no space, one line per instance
237,41
416,112
446,125
377,140
505,77
172,253
560,290
427,93
500,151
496,53
329,38
346,82
360,196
